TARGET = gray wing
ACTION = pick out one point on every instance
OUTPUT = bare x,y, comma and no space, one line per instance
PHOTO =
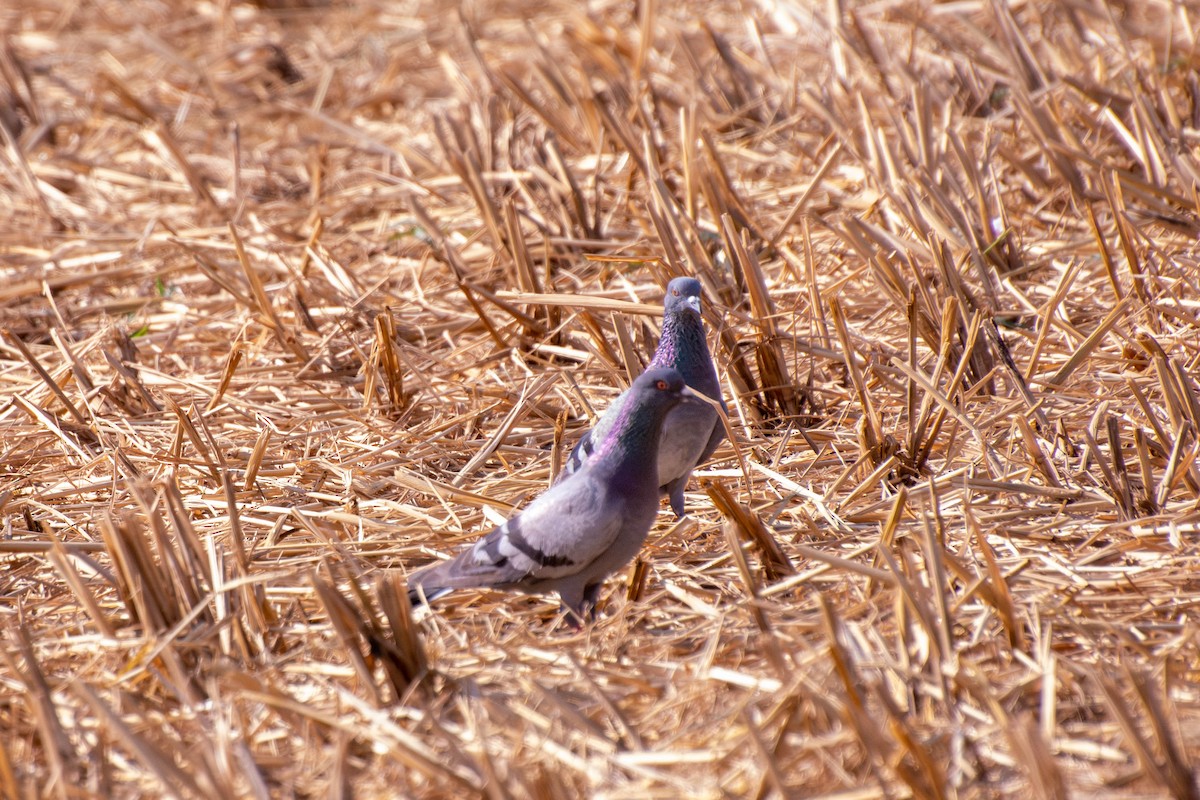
592,439
579,456
714,440
558,535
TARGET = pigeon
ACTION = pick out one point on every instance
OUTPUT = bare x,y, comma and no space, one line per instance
692,431
584,527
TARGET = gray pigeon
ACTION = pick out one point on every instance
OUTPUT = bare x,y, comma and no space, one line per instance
584,527
692,430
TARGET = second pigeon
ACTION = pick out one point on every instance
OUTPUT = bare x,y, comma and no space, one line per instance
692,431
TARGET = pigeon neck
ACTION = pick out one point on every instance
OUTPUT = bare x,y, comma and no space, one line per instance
630,450
682,343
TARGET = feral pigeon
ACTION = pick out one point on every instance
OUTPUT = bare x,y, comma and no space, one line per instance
692,430
586,526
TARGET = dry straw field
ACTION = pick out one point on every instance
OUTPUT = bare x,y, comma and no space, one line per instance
301,294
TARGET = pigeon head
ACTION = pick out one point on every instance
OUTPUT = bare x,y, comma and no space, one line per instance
682,344
683,298
660,386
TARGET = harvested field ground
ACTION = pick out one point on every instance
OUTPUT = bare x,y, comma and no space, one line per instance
299,296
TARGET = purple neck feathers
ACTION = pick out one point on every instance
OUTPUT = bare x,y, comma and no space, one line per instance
682,345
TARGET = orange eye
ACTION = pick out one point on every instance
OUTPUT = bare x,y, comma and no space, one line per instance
661,386
675,293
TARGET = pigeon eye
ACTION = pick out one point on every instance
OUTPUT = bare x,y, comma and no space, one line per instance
661,386
675,293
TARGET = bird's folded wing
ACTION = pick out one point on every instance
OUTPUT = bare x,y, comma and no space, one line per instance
594,437
558,535
714,440
579,455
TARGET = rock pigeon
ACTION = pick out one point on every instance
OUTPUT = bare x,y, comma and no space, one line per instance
586,526
693,430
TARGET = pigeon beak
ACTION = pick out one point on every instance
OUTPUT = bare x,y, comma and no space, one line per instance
690,395
694,304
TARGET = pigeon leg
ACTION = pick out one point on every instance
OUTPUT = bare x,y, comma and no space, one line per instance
572,604
591,594
675,494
